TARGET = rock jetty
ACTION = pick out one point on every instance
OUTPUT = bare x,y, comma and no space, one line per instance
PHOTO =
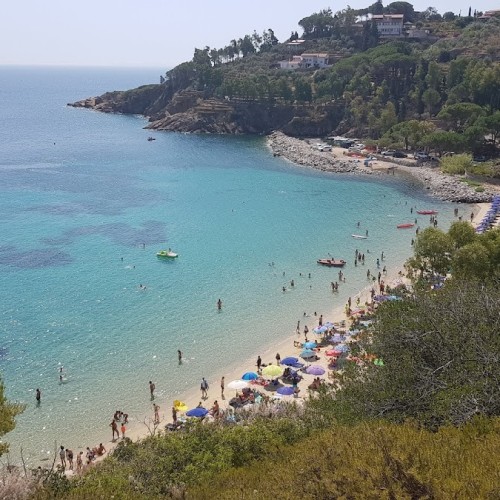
442,186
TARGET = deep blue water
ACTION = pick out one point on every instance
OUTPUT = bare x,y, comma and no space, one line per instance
86,202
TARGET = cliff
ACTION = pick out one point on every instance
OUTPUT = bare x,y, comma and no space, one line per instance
190,111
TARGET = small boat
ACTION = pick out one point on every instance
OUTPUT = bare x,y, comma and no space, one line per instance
405,226
167,254
151,139
332,262
427,212
359,236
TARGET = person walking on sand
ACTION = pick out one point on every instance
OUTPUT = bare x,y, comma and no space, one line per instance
320,321
38,397
157,413
204,388
222,383
123,429
114,428
278,358
174,414
62,456
152,388
259,363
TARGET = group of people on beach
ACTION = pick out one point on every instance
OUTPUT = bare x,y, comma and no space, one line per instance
66,457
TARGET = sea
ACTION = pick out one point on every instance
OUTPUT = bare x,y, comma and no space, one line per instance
86,202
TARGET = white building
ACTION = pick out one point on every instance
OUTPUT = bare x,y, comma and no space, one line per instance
307,60
293,63
389,24
310,60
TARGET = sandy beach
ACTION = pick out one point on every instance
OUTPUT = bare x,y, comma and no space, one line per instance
140,426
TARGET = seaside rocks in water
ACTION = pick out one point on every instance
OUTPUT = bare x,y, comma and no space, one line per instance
442,186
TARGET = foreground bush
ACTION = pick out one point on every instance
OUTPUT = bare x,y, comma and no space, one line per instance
373,460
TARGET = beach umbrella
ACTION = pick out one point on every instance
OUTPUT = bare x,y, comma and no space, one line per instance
315,370
237,384
250,376
180,406
337,338
307,353
289,361
272,371
285,391
320,329
342,348
197,412
333,352
309,345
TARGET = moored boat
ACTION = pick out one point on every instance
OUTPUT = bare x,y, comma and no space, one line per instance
359,236
405,226
427,212
332,262
167,254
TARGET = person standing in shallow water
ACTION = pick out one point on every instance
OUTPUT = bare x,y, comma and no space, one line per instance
219,304
179,356
152,388
38,397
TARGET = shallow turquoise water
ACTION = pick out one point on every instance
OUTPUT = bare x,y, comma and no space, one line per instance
82,219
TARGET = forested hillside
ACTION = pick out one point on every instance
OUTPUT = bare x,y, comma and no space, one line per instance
443,71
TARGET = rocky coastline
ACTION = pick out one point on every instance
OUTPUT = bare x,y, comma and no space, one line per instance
442,186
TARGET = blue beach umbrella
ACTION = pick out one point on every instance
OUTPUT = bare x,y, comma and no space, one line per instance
309,345
285,391
290,361
197,412
342,348
320,329
307,353
250,376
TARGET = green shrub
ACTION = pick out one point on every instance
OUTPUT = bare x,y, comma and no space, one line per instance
457,164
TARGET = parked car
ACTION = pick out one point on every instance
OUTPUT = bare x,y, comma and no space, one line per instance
479,158
388,152
420,155
399,154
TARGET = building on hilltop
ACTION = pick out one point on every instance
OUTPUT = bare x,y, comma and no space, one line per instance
389,25
293,63
309,60
490,13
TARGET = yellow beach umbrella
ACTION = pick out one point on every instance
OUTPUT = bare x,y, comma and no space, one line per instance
272,371
180,406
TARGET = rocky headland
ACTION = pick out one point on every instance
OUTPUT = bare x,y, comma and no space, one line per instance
191,111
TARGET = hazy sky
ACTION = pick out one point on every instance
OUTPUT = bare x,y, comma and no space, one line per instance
155,33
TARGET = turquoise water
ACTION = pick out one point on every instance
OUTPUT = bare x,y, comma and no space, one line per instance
86,202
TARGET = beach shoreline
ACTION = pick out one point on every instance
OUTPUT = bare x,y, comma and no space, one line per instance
142,425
